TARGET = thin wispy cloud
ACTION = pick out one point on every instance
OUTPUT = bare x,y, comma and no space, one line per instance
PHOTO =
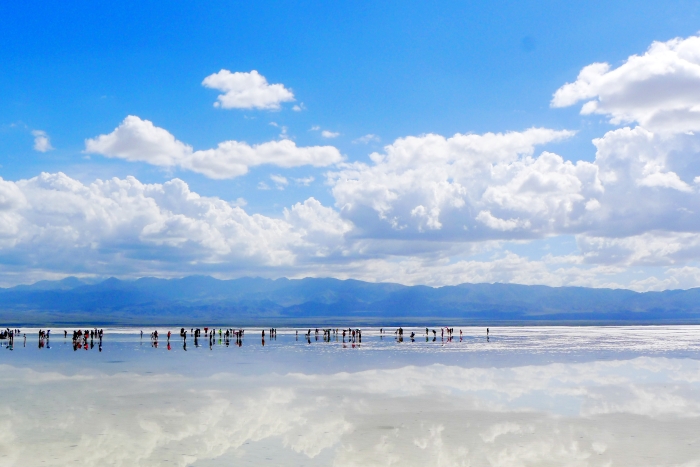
329,134
369,138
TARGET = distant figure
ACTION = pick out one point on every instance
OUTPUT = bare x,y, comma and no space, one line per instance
65,333
141,334
487,332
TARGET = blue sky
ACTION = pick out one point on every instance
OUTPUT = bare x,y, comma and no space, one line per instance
73,71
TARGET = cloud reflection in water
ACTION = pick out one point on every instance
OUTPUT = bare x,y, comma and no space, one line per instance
633,412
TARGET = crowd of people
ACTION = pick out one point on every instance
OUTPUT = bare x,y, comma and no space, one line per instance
85,339
88,338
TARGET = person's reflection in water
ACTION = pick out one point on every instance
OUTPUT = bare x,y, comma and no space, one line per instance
308,339
263,341
99,347
184,345
168,346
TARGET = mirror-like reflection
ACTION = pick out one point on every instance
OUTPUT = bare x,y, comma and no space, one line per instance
527,397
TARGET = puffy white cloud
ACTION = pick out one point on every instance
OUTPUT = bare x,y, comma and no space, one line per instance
459,187
42,143
247,91
139,140
329,134
660,89
122,226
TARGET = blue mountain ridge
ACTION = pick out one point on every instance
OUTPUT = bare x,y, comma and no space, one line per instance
310,301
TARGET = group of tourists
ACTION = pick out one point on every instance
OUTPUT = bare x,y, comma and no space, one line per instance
225,336
85,339
8,336
353,335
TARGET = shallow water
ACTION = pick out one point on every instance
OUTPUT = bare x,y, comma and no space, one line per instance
527,396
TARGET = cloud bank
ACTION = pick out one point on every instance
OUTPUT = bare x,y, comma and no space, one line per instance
427,209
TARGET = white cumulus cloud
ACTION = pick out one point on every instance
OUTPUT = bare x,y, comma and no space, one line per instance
659,89
55,223
243,90
436,184
140,140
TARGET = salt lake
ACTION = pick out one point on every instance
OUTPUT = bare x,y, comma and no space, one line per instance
527,396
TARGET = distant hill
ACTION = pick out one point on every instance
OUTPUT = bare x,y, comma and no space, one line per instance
207,301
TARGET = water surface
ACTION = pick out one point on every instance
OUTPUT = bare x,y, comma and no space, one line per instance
527,396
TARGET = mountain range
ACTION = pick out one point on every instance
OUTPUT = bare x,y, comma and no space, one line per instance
203,300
